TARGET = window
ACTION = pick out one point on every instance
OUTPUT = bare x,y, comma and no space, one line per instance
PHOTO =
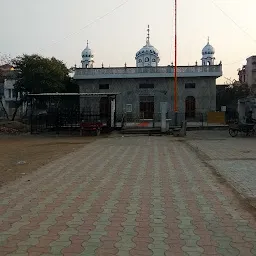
104,86
190,85
147,86
146,59
128,108
140,60
153,60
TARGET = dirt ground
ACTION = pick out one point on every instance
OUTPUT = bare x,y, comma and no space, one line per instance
21,155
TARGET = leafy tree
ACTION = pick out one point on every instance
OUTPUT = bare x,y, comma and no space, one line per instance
230,94
36,74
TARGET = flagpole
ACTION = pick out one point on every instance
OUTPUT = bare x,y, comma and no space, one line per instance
175,69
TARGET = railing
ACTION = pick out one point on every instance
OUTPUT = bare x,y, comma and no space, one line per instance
146,70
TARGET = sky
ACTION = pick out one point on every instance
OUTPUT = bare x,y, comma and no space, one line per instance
60,28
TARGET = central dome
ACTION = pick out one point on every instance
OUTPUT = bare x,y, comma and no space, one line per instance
148,55
148,48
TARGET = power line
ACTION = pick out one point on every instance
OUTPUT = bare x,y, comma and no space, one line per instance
235,62
243,30
92,22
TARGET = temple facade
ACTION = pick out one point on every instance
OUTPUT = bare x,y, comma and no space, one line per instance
141,90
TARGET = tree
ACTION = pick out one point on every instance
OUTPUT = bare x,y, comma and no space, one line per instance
230,94
36,74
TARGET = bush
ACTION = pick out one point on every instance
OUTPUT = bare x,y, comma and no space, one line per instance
13,127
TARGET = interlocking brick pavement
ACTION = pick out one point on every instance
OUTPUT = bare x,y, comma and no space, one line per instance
234,158
125,196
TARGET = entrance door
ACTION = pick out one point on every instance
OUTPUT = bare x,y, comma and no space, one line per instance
190,107
147,107
105,110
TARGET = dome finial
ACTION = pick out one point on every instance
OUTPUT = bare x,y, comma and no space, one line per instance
87,43
148,36
208,40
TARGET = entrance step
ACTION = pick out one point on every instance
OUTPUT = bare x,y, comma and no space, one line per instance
148,131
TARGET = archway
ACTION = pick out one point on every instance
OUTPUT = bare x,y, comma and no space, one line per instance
190,107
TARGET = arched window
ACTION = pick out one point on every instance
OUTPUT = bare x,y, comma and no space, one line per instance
140,60
153,60
190,107
146,59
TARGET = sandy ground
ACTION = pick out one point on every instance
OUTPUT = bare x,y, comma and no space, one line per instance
21,155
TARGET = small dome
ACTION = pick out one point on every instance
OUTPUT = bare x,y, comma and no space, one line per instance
208,49
87,52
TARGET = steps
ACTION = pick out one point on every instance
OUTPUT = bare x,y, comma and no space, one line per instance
141,130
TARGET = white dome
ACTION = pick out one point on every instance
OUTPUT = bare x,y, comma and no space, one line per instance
208,54
148,55
87,52
149,49
208,49
87,57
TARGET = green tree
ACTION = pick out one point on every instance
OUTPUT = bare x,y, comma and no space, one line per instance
230,95
36,74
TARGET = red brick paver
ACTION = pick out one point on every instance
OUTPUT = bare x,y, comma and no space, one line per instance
125,196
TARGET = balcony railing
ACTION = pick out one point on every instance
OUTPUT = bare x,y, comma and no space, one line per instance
166,71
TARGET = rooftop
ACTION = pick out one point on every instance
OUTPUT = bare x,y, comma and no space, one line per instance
147,72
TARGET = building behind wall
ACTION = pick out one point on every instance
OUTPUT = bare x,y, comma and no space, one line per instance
9,99
247,74
142,88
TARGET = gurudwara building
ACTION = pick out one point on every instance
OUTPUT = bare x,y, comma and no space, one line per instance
142,90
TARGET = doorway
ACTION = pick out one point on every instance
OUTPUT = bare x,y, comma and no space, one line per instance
147,107
190,107
105,110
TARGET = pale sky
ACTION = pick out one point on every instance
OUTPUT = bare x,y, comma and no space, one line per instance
59,28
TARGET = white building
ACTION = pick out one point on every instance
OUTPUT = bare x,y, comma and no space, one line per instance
141,90
10,98
247,75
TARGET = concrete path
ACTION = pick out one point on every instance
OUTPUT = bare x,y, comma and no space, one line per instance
125,196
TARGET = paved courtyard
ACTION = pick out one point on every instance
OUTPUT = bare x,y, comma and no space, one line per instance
125,196
234,158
